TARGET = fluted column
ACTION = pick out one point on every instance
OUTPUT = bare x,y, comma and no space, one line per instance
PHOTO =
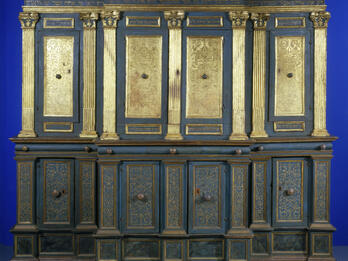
89,74
320,22
28,22
174,19
259,75
110,19
238,75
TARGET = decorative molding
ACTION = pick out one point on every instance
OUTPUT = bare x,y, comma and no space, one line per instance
320,19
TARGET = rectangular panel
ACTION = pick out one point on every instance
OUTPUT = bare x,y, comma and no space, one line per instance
56,244
205,21
58,76
204,129
260,244
87,192
289,76
66,23
141,249
289,191
108,249
25,192
57,192
214,249
280,126
204,61
321,244
143,76
260,191
289,242
108,216
141,189
239,186
143,21
24,246
173,250
143,129
206,198
238,250
86,245
290,22
321,190
58,127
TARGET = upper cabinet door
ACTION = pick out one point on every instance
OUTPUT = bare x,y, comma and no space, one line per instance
140,197
289,192
142,55
207,197
57,95
56,193
206,81
291,89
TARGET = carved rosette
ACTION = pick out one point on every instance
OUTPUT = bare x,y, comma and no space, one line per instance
239,19
89,20
320,19
110,18
260,21
28,20
174,18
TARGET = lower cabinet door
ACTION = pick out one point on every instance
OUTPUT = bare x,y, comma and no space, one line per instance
56,193
289,191
206,197
140,197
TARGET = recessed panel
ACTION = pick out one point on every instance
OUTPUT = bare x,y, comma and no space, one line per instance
289,76
58,76
143,76
204,77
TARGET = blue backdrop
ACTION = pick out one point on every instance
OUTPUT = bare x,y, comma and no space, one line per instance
10,113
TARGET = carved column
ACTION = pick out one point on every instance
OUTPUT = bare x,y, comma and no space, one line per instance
320,22
259,74
28,22
110,19
89,74
238,75
174,19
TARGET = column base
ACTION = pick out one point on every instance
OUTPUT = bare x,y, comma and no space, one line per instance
239,233
176,136
261,227
238,136
88,134
104,233
322,227
320,133
27,134
174,233
258,134
109,136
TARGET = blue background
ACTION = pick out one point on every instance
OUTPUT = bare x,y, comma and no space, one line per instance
10,113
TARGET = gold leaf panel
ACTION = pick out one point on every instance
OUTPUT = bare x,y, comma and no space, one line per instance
290,76
58,76
204,77
143,76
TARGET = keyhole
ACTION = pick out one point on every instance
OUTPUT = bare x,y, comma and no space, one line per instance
58,76
290,75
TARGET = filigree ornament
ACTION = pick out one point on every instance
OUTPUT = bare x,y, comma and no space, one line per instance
174,18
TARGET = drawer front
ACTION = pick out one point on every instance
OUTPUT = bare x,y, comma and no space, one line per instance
56,193
290,199
140,204
206,249
141,249
56,244
206,199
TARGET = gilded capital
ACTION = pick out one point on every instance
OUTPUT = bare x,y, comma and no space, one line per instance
110,18
174,18
238,19
260,21
28,20
89,20
320,19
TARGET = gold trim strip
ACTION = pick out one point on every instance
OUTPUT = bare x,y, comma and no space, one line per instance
58,26
157,18
290,233
277,19
159,126
277,129
220,132
221,21
68,124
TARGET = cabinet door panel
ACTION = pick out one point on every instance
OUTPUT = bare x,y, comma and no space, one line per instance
140,205
290,199
56,192
206,212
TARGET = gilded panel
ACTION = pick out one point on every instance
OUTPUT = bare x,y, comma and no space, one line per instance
290,22
87,191
280,126
143,76
141,196
53,23
58,76
205,21
206,197
204,61
239,196
260,186
289,76
25,202
143,21
174,196
321,191
56,178
204,129
58,127
143,129
289,178
108,197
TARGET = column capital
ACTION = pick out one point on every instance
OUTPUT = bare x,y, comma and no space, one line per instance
260,21
320,19
238,19
174,18
28,20
89,20
110,18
